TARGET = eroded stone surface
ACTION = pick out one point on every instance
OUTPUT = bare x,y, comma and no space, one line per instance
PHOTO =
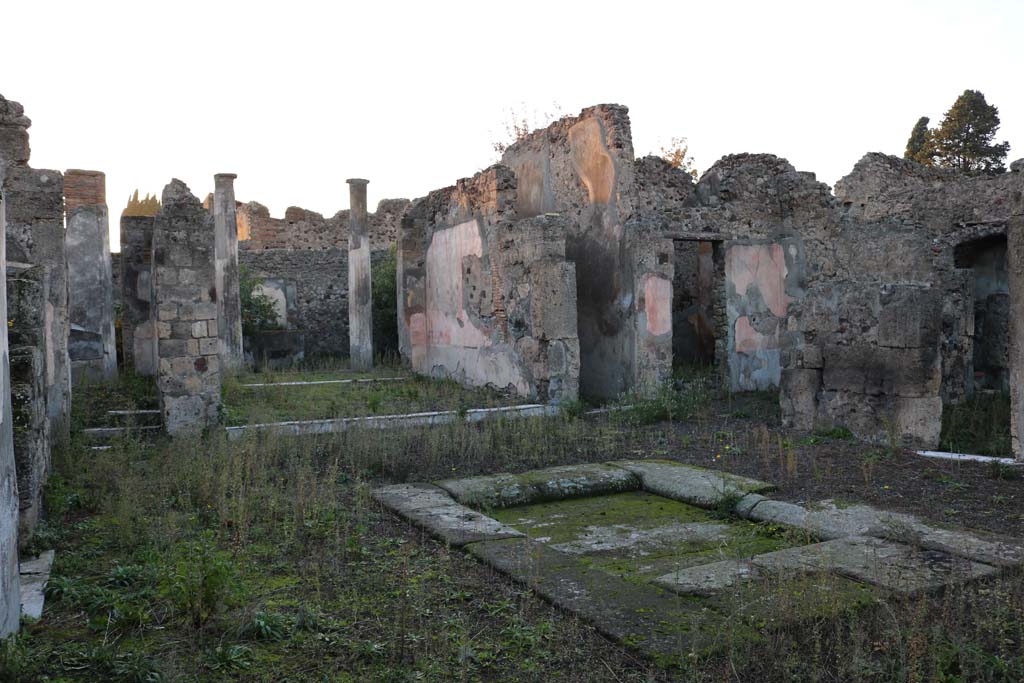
555,483
434,510
706,488
893,566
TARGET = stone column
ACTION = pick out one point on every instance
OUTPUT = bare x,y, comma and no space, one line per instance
360,289
1015,268
92,343
10,597
229,302
138,336
189,378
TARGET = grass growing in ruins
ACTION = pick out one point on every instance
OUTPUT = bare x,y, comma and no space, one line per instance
251,405
265,560
979,425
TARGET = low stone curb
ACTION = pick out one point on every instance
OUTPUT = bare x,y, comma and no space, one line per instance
342,424
860,546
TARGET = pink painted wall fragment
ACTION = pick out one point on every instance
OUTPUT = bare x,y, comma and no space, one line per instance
658,305
763,265
748,340
447,321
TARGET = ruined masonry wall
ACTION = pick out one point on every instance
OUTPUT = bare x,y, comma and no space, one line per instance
308,230
583,168
484,298
27,289
314,287
10,595
189,373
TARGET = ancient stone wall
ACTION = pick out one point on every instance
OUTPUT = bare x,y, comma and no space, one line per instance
583,168
185,308
484,297
308,230
35,236
27,290
92,344
138,325
12,140
32,246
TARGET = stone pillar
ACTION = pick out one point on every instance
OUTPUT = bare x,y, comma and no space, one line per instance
10,594
360,288
189,377
92,345
1015,268
229,303
138,335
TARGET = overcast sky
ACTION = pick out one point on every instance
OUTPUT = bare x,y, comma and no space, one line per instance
297,96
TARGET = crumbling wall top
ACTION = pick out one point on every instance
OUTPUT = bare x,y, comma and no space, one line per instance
941,199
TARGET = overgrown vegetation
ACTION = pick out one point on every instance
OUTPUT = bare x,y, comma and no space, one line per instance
258,310
266,560
978,425
385,305
411,394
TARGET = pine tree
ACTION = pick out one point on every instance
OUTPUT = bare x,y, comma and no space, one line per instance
964,139
919,144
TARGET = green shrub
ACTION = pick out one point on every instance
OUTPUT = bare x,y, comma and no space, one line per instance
200,580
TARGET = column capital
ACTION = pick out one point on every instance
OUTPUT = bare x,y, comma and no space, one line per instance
357,181
223,177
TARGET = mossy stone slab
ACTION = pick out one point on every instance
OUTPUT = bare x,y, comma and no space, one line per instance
535,486
431,508
693,485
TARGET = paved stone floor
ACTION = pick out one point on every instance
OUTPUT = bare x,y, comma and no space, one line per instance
665,557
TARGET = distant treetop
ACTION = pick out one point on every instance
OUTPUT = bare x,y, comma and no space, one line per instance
964,140
141,207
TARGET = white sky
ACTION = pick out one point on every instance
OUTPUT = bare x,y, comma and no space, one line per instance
297,96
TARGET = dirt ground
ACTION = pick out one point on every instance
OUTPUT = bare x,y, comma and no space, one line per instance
742,436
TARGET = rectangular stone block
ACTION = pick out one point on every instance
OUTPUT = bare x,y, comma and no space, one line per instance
172,348
167,311
208,346
199,328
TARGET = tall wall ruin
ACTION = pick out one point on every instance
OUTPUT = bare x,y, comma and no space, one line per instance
583,168
13,151
185,310
35,392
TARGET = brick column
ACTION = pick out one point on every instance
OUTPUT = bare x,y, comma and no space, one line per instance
360,288
189,377
229,305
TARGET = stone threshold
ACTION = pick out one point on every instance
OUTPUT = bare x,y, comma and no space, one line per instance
341,424
34,574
